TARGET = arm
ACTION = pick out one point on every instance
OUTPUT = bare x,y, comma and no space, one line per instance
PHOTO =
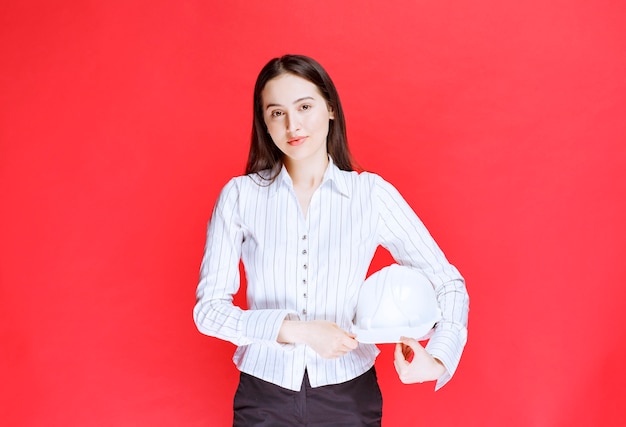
324,337
410,243
214,312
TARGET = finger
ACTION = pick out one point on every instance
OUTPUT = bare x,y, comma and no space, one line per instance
408,340
420,351
398,350
401,366
350,345
413,343
397,366
398,354
407,351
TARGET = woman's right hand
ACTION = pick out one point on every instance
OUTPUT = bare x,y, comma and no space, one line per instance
326,338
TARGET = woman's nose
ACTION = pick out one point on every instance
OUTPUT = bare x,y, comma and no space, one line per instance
293,125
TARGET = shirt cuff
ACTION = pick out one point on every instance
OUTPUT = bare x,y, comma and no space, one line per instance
264,326
446,345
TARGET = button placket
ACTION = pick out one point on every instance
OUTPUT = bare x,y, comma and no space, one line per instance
304,262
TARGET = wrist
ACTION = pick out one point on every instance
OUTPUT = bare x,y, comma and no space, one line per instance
441,367
291,332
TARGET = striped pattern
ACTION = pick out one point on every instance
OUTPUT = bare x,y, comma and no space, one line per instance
312,268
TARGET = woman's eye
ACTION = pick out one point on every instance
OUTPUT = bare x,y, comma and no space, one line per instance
275,114
305,107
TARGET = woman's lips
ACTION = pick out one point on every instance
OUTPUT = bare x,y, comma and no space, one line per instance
294,142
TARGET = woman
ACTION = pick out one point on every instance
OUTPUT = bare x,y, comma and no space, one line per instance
306,227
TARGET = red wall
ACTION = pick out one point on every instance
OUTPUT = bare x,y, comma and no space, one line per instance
503,124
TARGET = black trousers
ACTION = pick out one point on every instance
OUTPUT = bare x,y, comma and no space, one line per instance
357,402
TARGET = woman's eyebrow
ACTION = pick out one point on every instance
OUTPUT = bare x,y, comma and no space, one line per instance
304,98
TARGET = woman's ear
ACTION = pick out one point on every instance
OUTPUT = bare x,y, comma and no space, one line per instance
331,112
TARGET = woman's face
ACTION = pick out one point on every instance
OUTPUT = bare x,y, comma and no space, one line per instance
297,118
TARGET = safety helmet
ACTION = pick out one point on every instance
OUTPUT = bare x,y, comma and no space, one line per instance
393,302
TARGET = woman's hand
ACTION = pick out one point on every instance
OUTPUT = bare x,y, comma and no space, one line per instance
326,338
414,364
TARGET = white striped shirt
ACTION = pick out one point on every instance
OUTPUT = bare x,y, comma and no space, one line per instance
312,267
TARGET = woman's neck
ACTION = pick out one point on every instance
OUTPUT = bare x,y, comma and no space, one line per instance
307,175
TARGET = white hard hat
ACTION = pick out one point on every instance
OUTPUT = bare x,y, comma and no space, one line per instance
393,302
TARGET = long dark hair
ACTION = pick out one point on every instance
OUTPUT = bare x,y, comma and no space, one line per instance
263,152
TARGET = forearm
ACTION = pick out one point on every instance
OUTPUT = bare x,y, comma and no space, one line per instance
324,337
292,332
241,327
448,341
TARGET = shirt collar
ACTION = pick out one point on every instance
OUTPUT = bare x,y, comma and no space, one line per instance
333,175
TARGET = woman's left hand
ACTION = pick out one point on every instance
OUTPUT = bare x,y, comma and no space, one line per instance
414,364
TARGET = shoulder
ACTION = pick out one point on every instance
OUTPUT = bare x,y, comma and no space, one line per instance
364,185
354,178
246,185
379,188
365,180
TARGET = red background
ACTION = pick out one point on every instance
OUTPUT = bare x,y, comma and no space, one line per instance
503,125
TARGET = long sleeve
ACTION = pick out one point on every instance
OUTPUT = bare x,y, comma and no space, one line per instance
312,267
410,243
214,312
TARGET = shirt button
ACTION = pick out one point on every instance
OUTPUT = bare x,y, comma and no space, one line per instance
304,252
304,281
304,311
304,237
304,295
305,266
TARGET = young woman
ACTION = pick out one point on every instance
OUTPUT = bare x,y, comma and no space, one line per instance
306,227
